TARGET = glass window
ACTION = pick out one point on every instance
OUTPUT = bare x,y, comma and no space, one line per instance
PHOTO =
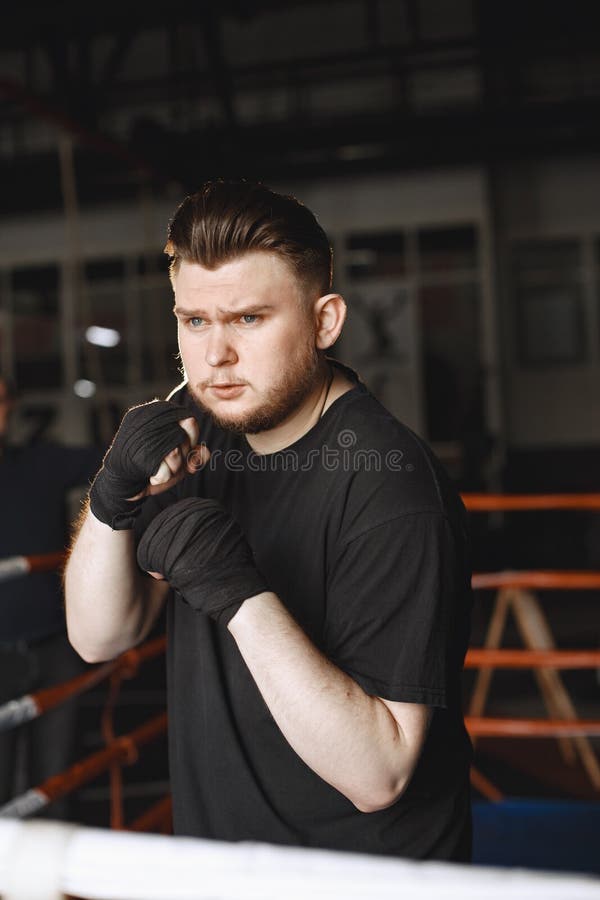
546,261
447,249
103,322
37,347
550,325
105,270
376,254
4,318
450,358
597,253
549,309
151,264
439,20
158,326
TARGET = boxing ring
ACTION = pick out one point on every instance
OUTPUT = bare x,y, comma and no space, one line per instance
73,858
48,861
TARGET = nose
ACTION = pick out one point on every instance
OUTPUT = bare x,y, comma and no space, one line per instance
219,349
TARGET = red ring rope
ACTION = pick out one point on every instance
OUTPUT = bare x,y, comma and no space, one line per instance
514,502
531,659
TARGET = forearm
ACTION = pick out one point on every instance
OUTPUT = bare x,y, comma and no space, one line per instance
350,739
110,606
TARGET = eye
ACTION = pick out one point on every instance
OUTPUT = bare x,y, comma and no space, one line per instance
195,321
249,319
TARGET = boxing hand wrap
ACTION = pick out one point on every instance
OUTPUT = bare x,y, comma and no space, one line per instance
201,551
145,436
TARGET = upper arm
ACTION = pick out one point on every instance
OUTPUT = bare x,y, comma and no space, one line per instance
391,599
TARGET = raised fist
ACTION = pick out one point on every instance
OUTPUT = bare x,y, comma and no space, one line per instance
148,454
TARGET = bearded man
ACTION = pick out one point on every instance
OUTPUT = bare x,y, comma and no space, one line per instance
319,612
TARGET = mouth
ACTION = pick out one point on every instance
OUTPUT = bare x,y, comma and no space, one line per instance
227,391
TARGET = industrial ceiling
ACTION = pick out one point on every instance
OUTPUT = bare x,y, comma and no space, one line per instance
293,88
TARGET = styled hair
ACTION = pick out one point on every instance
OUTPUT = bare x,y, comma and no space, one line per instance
226,219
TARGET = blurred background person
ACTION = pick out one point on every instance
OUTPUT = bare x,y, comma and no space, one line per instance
35,479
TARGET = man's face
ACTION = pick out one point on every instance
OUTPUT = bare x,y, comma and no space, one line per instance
247,340
6,406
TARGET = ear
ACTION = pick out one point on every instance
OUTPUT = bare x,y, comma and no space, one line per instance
330,315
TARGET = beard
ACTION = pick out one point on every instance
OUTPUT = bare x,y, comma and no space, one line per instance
283,397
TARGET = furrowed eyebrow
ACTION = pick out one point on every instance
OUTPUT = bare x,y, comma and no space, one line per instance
242,311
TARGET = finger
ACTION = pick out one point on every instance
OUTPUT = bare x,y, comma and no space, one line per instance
162,474
153,489
158,487
174,459
172,468
190,426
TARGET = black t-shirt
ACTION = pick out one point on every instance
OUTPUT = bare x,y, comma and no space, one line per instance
360,534
33,484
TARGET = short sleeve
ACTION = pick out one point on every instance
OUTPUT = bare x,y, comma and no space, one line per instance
390,602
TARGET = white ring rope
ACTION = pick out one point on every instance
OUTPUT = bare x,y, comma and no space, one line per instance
27,804
111,865
15,712
37,860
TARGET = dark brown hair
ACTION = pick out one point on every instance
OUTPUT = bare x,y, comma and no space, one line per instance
226,219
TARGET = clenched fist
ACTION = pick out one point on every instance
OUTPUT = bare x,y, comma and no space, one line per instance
201,551
150,448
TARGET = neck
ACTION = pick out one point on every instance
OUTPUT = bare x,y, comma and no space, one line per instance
302,420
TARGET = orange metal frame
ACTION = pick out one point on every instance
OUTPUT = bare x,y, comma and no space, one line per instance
548,660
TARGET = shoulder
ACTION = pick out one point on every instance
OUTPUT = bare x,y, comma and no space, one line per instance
377,452
363,422
387,471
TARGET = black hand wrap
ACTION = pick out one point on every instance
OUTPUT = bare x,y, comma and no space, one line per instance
145,436
201,551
